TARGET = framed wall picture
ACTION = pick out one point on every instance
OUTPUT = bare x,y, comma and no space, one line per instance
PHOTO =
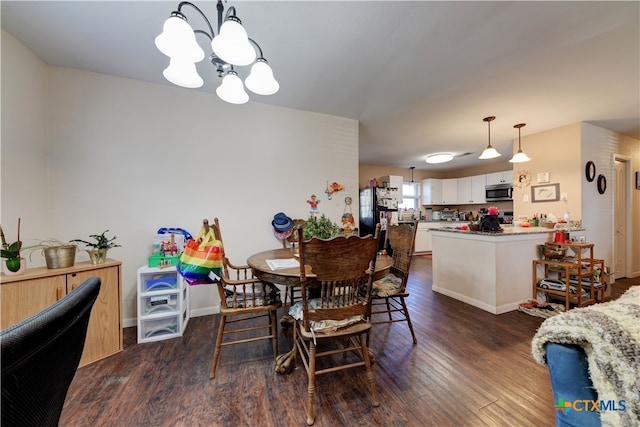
602,184
545,193
543,177
590,171
637,180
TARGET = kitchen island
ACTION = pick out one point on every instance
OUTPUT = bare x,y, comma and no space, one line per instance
489,270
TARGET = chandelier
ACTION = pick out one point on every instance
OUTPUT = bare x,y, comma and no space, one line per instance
231,47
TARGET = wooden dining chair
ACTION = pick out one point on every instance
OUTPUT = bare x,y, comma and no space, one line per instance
388,295
244,298
336,322
292,293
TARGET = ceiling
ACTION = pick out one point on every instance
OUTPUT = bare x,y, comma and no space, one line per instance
419,76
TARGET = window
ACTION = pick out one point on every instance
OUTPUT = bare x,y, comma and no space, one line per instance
410,196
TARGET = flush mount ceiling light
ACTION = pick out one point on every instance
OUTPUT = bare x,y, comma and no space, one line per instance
230,47
489,152
519,157
439,158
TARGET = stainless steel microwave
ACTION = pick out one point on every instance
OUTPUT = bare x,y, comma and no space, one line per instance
498,192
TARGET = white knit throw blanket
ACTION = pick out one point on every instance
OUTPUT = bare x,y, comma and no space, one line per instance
610,335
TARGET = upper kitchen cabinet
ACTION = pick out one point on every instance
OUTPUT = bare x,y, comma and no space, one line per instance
505,177
431,191
393,181
450,191
471,189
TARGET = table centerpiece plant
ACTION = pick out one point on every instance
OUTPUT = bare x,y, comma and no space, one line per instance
99,246
322,228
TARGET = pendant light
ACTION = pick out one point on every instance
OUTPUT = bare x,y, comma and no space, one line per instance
519,157
412,168
489,152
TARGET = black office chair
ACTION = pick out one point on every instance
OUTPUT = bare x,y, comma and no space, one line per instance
40,356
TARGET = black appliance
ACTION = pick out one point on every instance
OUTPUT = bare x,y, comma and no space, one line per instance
375,203
490,223
498,192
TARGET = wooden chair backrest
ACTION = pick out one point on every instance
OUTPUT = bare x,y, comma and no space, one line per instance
399,243
238,287
293,237
343,267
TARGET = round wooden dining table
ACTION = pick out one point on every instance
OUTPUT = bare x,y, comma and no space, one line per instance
291,276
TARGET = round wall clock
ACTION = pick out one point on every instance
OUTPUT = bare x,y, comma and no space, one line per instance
602,184
590,171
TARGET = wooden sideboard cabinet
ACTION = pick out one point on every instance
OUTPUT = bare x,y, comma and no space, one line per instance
27,294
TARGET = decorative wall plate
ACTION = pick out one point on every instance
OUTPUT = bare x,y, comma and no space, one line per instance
522,179
602,184
590,170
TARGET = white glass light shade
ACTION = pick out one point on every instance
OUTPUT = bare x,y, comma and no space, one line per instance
183,73
519,157
178,40
489,153
232,44
261,79
439,158
232,90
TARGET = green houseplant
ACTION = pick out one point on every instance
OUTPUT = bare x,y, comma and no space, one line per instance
322,228
99,246
57,254
14,264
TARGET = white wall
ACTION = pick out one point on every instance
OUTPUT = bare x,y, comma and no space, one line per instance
23,152
132,157
598,146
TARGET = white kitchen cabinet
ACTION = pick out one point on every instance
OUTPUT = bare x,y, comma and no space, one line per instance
431,191
393,181
505,177
422,234
450,191
471,189
163,304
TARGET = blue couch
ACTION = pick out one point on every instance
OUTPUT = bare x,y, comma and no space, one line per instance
593,357
570,382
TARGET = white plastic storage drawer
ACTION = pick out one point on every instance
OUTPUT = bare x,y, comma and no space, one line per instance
160,304
152,282
159,328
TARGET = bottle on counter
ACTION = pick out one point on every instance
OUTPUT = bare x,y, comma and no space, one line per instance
567,218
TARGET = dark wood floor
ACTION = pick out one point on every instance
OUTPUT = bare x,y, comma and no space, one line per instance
470,368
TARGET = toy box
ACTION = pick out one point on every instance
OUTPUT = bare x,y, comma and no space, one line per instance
158,259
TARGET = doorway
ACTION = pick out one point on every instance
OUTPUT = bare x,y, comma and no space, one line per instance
621,215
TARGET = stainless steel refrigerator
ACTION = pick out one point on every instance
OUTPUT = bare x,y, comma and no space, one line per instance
377,206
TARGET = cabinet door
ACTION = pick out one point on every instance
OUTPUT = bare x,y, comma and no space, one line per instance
478,183
28,297
500,177
464,190
508,176
450,191
104,332
420,244
431,191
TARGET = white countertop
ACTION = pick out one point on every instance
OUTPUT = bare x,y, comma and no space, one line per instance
507,230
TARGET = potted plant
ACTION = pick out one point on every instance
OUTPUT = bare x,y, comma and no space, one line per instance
57,254
99,247
13,263
322,228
